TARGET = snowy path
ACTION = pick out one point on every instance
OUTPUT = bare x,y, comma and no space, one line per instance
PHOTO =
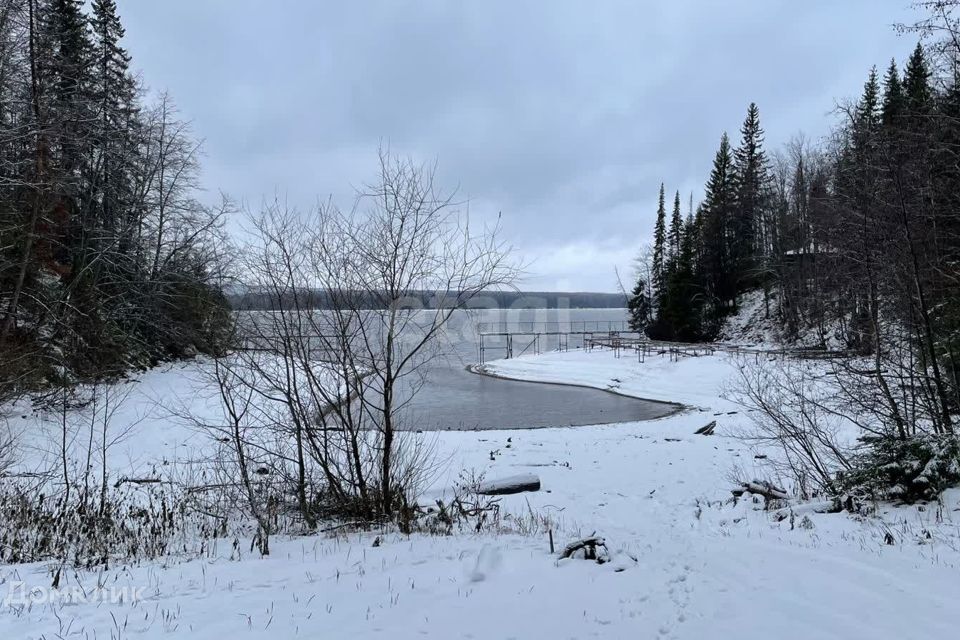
729,572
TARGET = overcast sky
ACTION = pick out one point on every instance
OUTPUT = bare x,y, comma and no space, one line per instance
564,116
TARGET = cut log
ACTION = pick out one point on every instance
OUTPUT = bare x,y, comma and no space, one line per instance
513,484
706,430
760,488
591,548
824,506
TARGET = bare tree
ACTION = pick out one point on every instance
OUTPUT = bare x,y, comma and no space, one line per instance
333,386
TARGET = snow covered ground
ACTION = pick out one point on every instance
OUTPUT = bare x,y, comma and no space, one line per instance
654,490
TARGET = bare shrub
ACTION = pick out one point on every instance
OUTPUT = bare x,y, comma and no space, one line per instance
792,410
8,447
320,398
136,523
853,427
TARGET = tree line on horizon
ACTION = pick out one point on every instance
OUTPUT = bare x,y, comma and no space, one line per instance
260,300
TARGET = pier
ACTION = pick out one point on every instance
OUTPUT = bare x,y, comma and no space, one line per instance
511,339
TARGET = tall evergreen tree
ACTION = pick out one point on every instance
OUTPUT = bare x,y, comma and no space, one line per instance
114,96
679,316
719,209
659,242
66,35
916,84
857,173
893,98
751,175
676,228
64,66
638,307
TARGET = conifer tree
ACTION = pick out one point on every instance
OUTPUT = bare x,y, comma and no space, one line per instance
679,316
65,35
751,176
659,241
893,98
639,307
676,228
114,96
916,84
715,231
858,170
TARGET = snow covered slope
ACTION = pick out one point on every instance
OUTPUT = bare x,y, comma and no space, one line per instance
704,568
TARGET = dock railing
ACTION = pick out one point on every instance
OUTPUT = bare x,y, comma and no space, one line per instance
511,339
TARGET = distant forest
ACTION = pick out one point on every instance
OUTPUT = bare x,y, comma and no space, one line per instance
319,299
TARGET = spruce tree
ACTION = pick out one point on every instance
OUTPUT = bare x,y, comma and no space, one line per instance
676,228
65,34
680,314
893,98
751,174
719,276
65,69
858,173
659,241
916,84
114,95
639,307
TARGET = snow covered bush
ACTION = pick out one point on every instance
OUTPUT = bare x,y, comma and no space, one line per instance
915,469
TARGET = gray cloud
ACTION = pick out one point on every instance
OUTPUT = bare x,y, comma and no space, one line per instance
565,116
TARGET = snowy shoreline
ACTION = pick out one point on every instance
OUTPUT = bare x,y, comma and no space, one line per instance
656,491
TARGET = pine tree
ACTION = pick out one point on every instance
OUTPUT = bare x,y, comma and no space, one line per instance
867,115
679,316
893,99
719,210
114,94
857,179
114,86
64,66
659,240
751,175
916,84
676,228
639,307
65,34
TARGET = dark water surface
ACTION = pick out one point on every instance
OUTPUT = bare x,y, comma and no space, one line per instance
454,398
465,400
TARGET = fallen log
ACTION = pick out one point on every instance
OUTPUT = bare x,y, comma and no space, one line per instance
706,430
760,488
506,486
823,506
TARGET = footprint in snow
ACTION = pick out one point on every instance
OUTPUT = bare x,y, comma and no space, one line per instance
487,562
